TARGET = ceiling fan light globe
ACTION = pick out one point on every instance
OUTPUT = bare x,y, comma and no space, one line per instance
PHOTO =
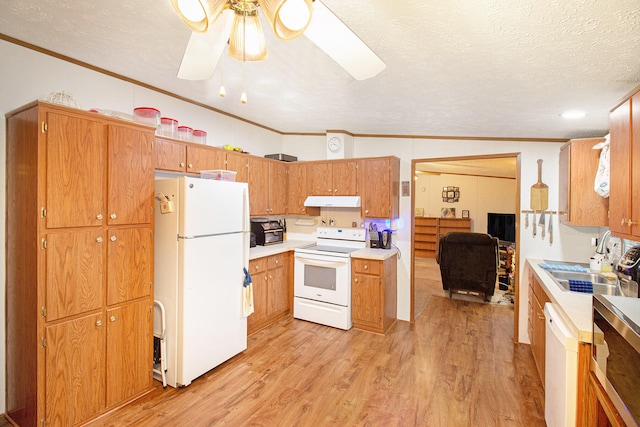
198,14
288,18
247,42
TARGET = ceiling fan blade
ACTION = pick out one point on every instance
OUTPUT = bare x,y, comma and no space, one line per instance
333,36
204,49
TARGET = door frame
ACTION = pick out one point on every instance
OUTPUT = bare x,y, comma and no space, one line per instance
516,155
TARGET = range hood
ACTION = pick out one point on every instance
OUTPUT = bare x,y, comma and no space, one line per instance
333,201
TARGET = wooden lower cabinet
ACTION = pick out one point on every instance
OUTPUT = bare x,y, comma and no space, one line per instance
129,329
374,294
537,323
272,290
600,411
428,231
74,355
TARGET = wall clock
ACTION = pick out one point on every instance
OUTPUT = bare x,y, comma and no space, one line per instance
334,144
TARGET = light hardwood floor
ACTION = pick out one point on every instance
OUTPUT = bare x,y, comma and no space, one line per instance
455,366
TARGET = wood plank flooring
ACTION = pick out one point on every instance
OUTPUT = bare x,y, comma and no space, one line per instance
455,366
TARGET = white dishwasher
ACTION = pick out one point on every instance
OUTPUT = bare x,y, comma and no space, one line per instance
560,371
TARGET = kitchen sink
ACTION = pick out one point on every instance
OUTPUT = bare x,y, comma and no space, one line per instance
602,285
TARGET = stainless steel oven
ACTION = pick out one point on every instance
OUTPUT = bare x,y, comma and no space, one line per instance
616,352
322,277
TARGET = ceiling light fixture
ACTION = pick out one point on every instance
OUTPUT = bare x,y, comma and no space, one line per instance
288,19
573,114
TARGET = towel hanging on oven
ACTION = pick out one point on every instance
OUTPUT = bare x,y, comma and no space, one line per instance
247,294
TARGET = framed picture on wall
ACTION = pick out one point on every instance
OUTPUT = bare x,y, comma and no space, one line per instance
448,212
465,214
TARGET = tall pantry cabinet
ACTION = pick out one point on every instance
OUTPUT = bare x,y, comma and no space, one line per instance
79,291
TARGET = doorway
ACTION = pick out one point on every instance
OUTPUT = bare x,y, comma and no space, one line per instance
486,170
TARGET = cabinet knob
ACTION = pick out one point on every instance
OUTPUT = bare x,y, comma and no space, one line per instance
265,278
113,216
113,238
112,318
190,165
256,267
366,266
270,277
329,190
99,217
304,209
277,261
181,164
355,280
335,190
366,211
99,323
99,240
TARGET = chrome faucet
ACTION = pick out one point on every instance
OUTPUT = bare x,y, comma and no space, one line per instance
602,245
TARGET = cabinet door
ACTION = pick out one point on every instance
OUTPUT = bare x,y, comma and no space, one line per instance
320,179
75,171
170,156
258,186
239,163
635,161
130,263
204,158
129,346
277,188
260,303
74,366
367,299
297,174
131,173
278,298
376,201
344,175
620,178
75,266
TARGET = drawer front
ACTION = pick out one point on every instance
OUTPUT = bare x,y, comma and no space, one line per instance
258,265
275,261
367,266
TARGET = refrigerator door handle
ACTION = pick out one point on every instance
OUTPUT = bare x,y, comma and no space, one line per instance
245,227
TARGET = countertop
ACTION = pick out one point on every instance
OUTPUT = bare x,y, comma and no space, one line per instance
576,308
278,248
289,245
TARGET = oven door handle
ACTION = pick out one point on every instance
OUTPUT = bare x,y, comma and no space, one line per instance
325,264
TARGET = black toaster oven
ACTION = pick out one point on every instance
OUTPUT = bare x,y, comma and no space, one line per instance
267,231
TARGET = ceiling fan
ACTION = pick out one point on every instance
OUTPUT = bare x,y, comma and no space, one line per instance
217,22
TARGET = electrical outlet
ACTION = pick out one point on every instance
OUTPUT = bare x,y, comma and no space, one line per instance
166,207
594,241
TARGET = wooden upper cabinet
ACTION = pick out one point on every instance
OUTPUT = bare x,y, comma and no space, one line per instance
239,163
129,338
130,264
298,190
278,190
68,293
620,180
578,203
170,155
75,171
74,376
380,182
131,176
204,158
333,178
258,186
320,179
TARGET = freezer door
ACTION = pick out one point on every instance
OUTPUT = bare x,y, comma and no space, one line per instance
212,328
211,207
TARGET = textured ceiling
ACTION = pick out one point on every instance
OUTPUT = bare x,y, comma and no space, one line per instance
484,68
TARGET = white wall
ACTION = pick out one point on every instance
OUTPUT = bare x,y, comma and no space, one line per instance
27,75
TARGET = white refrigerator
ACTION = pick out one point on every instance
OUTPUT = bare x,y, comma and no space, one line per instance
201,249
